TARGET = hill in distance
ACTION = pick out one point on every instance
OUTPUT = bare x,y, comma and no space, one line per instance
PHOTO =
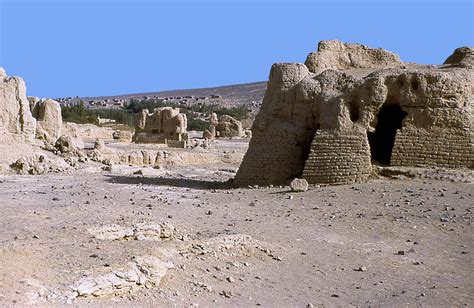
231,95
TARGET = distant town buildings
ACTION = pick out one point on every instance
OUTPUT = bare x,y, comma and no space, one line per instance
122,102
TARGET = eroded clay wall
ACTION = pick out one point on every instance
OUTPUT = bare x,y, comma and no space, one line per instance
272,158
276,152
338,157
435,147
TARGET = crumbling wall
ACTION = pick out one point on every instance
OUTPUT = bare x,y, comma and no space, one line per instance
350,107
435,147
48,117
338,157
279,135
19,126
224,126
15,116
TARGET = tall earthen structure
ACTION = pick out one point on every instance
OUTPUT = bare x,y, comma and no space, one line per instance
350,107
165,125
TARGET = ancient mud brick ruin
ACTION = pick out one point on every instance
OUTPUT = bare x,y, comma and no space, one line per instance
23,118
224,126
165,125
349,107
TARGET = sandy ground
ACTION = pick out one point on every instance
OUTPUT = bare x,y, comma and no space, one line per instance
389,242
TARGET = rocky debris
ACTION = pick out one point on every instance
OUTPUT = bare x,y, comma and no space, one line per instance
299,185
49,120
103,154
443,174
142,271
200,143
224,246
38,164
36,291
144,231
68,144
349,108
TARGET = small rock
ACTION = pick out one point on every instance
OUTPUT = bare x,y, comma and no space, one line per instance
361,269
226,294
299,185
230,279
36,236
401,253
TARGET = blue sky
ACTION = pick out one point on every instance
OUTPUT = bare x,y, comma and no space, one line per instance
105,47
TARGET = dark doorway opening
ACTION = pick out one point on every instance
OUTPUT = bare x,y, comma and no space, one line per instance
381,141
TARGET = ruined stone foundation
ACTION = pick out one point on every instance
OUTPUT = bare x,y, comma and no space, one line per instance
350,107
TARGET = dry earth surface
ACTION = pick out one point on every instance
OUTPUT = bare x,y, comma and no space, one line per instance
184,237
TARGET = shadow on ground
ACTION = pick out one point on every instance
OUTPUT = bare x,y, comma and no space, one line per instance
172,182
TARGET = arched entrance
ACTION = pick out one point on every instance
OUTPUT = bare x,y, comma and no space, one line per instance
381,141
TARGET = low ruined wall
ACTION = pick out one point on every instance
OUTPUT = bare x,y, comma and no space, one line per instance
149,138
338,158
272,158
436,147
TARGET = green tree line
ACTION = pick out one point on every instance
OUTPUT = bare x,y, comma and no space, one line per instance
80,114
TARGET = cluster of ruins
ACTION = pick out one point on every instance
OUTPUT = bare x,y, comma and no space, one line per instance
350,107
331,120
34,139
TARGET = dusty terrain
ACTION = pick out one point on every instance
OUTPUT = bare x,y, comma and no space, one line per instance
191,239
